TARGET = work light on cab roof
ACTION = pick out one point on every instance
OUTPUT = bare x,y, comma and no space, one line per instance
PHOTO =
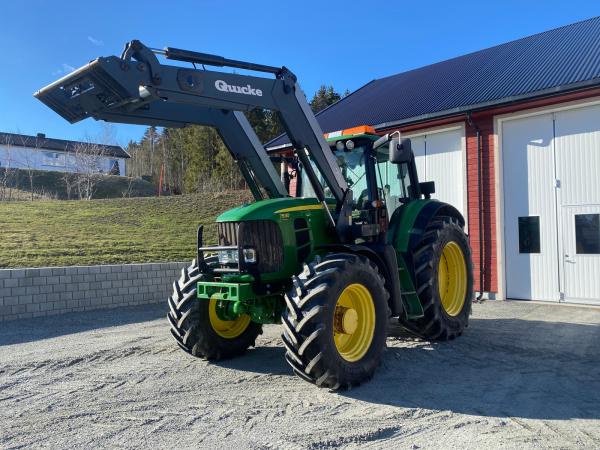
344,138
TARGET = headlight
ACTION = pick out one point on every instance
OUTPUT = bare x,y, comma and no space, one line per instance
228,256
250,255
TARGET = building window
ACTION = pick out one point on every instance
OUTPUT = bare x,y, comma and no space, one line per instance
114,167
54,159
529,234
587,234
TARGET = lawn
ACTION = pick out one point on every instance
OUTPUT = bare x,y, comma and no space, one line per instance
51,184
125,230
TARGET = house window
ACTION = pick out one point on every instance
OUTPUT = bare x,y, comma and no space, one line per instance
114,167
529,234
587,234
54,159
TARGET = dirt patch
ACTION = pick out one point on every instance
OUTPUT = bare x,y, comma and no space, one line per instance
523,375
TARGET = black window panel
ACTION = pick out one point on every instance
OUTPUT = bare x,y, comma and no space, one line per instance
587,234
529,234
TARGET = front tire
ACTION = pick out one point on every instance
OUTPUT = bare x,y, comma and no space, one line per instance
196,327
336,320
443,280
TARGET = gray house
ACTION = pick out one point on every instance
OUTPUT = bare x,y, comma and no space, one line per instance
18,151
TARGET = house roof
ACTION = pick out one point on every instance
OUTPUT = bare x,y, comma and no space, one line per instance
555,61
44,143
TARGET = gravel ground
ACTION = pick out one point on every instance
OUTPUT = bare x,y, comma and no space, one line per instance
523,375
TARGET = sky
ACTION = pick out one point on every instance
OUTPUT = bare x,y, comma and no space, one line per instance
342,43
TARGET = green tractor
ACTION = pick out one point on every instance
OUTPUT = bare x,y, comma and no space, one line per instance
363,241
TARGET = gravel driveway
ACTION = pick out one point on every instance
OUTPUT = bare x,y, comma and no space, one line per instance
523,375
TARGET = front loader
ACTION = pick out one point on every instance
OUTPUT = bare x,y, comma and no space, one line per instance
361,243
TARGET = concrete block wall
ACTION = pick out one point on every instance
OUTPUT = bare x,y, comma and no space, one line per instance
35,292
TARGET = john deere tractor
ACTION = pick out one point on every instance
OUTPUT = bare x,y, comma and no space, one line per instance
363,241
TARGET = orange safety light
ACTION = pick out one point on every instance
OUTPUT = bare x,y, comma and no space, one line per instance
362,129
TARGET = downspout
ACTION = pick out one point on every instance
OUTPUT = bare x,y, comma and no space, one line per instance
480,204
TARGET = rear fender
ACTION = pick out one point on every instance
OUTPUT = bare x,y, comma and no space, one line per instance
410,221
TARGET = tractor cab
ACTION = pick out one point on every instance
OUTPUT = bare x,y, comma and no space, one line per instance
380,170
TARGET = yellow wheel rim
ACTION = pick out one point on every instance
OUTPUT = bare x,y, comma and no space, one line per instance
354,322
452,278
227,329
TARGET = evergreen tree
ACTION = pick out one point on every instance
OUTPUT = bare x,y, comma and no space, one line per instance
324,97
195,159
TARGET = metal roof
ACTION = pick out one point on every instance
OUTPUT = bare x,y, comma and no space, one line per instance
41,142
554,61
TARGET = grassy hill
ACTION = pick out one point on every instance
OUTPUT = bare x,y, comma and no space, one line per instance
125,230
51,184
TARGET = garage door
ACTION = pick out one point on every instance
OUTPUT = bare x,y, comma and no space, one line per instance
440,158
552,205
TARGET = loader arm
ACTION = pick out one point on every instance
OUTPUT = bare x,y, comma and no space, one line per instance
136,88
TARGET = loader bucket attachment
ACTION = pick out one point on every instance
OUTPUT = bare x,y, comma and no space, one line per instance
99,86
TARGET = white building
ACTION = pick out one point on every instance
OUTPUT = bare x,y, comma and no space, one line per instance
18,151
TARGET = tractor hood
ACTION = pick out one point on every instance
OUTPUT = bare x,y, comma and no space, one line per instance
271,209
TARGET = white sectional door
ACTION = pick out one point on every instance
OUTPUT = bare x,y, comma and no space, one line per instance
577,142
418,147
530,232
445,166
551,184
439,157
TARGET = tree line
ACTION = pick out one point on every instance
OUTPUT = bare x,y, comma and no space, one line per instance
194,158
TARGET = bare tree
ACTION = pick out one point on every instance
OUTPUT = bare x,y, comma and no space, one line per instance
70,181
127,191
28,159
89,161
88,158
8,173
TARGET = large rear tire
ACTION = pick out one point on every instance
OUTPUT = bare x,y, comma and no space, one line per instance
444,281
196,327
336,320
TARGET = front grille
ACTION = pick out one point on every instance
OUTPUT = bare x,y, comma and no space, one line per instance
265,237
262,235
228,233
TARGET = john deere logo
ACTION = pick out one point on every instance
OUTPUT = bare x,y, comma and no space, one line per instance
246,90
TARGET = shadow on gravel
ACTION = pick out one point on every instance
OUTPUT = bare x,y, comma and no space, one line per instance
20,331
267,360
499,367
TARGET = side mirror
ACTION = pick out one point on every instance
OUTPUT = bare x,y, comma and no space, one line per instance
427,188
400,152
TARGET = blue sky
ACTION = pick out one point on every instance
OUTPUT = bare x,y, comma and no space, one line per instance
344,43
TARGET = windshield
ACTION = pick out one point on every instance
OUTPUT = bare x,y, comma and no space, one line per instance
352,164
392,179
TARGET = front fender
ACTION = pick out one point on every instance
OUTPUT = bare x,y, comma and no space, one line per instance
384,257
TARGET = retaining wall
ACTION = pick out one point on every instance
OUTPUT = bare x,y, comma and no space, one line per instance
35,292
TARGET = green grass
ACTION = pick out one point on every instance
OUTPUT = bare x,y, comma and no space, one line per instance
52,185
126,230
